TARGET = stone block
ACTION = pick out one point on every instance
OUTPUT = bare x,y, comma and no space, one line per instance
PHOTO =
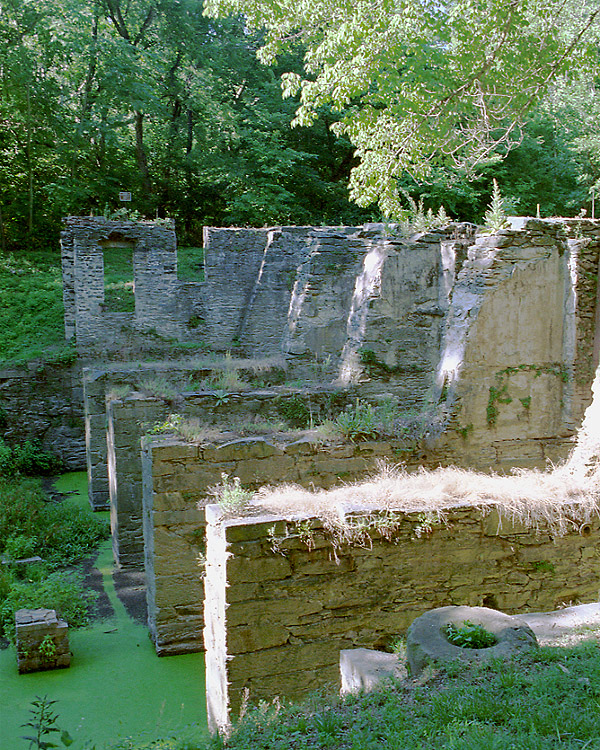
238,450
42,640
244,570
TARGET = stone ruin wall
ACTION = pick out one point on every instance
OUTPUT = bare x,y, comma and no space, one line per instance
129,418
176,481
44,404
276,621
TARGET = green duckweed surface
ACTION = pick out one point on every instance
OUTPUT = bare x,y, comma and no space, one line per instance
116,687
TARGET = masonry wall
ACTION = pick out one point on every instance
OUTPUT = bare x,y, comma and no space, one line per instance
277,620
154,256
126,420
176,479
516,364
44,403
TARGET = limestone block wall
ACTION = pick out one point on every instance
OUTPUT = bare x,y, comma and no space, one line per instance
516,364
154,256
249,275
278,614
176,478
370,288
126,420
44,403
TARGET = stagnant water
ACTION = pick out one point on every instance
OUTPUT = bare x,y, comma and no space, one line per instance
116,687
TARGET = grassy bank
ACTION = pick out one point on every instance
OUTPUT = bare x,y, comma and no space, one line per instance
547,701
31,302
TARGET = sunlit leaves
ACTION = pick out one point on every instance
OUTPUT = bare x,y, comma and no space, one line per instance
422,84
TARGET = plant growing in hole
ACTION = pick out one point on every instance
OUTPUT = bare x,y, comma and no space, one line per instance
230,494
469,635
43,723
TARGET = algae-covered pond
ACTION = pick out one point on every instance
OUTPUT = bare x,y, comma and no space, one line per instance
116,687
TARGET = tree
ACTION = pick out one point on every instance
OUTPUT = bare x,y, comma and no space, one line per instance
422,85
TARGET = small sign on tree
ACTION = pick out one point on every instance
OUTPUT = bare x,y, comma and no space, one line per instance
124,196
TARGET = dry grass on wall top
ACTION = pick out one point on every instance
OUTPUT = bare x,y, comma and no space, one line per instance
559,500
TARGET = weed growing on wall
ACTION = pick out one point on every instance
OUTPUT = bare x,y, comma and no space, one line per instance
230,495
499,393
495,217
159,387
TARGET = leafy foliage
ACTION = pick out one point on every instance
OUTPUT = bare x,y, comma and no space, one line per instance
61,590
64,533
59,533
29,459
422,86
469,635
43,723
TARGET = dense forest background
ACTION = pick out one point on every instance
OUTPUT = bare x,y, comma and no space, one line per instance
151,97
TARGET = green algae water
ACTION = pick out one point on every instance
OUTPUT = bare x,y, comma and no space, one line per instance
117,692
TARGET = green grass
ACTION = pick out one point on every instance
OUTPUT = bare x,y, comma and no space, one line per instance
118,280
31,307
31,304
190,263
541,702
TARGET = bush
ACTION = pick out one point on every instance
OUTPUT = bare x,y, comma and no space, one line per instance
62,590
29,459
64,533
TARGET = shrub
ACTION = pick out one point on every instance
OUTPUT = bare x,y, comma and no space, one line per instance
29,459
62,590
64,533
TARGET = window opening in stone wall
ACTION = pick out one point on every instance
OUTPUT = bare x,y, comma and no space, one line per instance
119,288
190,263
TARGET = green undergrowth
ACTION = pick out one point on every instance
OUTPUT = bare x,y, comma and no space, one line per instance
61,534
31,307
544,701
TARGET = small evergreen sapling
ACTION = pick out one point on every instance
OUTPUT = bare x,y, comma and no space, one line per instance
495,217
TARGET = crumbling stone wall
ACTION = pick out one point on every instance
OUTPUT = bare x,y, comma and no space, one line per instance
129,418
154,252
277,615
176,480
516,366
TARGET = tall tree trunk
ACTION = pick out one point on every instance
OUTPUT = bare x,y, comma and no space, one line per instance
140,153
29,166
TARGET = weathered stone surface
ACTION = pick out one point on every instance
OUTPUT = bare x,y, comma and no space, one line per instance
42,640
427,644
363,669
